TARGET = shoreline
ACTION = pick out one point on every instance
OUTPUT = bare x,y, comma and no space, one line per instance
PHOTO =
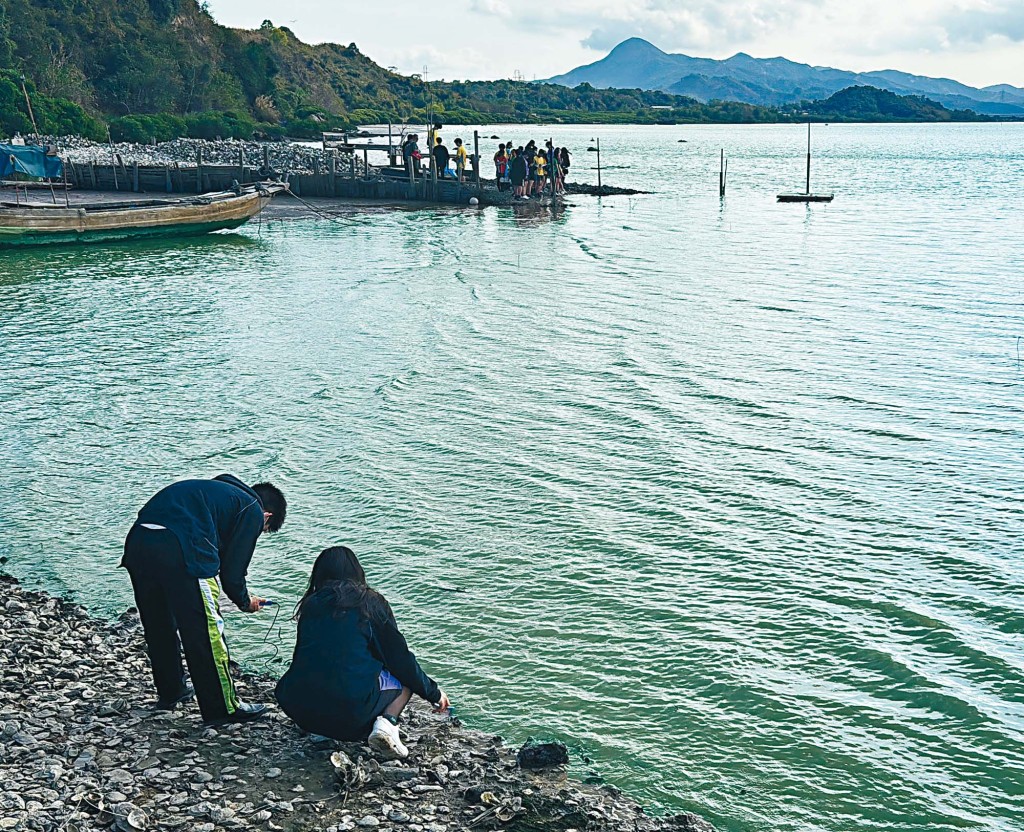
81,748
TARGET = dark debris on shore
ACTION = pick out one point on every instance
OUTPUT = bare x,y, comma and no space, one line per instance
82,749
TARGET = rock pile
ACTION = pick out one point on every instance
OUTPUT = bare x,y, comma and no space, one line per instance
81,750
281,157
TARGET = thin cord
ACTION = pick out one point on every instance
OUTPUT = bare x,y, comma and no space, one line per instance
327,215
277,644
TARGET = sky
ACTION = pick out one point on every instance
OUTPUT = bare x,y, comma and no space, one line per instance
978,42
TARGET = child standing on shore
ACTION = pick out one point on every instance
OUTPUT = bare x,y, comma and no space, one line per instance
352,672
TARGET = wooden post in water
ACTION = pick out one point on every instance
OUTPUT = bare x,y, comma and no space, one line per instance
808,158
241,166
199,170
366,164
599,162
433,175
168,185
721,174
92,174
135,177
266,157
476,158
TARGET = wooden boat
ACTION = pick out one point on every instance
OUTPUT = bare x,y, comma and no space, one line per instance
28,224
807,196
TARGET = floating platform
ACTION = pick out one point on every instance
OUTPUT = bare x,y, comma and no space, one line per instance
806,197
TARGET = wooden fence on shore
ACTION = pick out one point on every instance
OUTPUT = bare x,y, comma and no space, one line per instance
342,179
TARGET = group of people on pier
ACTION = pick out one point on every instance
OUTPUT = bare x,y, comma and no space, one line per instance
527,170
351,674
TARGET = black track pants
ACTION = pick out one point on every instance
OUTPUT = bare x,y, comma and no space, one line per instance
171,603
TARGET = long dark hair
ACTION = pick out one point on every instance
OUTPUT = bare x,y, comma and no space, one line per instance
339,577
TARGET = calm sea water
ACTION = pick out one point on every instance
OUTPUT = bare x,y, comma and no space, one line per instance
730,492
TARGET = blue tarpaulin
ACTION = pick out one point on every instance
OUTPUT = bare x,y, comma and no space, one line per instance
29,160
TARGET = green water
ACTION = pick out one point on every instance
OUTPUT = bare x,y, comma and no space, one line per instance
730,491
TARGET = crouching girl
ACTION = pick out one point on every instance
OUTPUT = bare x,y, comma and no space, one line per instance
352,672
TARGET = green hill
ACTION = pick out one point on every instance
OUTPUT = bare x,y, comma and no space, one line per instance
862,103
164,68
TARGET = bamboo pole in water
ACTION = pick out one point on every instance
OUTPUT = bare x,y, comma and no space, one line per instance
476,156
808,157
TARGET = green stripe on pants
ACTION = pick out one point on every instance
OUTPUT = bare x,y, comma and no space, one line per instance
209,588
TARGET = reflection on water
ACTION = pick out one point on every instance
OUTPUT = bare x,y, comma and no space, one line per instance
730,488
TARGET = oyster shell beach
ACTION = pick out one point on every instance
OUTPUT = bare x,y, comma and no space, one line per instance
82,749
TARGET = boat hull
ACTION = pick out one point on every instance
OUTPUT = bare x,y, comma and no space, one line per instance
22,226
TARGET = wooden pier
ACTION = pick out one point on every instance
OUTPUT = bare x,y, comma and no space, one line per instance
343,178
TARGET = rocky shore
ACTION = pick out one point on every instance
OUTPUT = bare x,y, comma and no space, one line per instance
82,749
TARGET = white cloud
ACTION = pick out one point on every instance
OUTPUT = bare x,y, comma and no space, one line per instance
493,8
975,41
980,22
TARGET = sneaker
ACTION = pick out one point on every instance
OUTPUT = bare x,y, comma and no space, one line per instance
171,704
385,739
244,712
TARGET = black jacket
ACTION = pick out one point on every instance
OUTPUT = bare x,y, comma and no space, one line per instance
333,684
441,156
217,522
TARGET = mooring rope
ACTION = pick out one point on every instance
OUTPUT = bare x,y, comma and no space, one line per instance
333,216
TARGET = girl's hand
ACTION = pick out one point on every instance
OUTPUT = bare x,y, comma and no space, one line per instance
443,704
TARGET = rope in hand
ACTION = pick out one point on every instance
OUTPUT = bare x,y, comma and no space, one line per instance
277,643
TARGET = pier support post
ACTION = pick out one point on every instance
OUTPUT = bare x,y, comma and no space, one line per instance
135,177
476,158
433,177
199,170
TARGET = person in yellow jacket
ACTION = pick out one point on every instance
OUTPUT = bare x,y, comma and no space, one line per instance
542,171
460,159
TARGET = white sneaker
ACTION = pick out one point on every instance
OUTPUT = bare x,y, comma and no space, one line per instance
385,739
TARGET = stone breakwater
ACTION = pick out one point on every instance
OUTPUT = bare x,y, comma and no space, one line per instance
281,157
82,749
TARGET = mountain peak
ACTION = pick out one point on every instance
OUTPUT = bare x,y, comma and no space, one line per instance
637,63
636,46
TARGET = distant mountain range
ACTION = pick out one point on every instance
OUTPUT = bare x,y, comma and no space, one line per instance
638,64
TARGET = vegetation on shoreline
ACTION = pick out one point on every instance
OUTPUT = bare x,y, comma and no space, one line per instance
159,69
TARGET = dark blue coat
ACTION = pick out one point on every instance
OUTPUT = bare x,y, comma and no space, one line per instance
332,687
217,523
